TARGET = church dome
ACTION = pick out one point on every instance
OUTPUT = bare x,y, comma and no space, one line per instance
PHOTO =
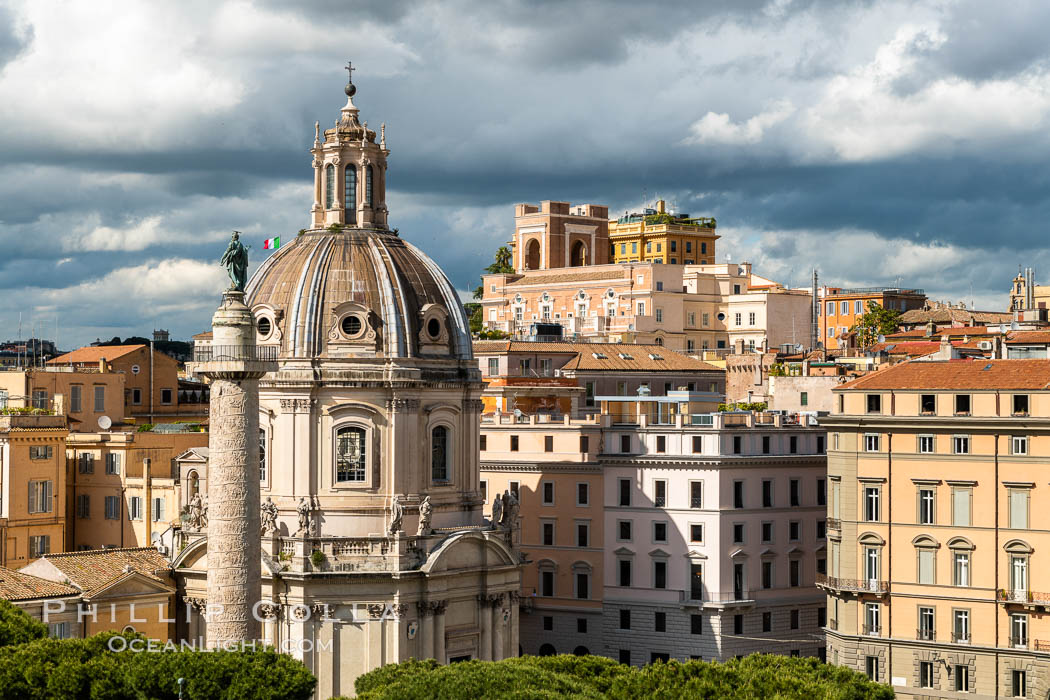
355,293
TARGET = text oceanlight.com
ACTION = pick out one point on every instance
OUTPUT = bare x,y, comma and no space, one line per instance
287,646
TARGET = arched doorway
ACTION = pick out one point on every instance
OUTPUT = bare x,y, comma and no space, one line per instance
547,650
579,254
532,255
581,651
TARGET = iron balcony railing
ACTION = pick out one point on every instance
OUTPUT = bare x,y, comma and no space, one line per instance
871,630
834,524
251,353
961,637
851,584
1019,642
924,633
1011,595
1041,645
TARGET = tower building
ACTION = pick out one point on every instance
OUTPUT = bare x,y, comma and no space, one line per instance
375,547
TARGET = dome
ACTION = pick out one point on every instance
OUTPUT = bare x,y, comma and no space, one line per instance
357,293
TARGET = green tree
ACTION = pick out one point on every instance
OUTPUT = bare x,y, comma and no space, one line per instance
501,265
587,677
16,627
876,321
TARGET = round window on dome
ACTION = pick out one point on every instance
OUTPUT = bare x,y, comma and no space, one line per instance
351,325
433,328
264,326
721,316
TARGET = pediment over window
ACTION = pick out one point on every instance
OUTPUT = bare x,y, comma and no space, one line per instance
925,541
623,552
960,543
1018,547
871,539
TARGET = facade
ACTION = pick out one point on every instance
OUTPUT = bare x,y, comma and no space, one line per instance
938,525
554,470
368,444
559,234
32,487
118,499
841,308
662,237
84,395
151,381
768,319
84,593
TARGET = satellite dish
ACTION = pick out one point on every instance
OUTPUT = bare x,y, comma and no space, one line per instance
105,422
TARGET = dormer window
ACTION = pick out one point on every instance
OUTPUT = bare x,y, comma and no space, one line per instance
599,356
654,356
625,356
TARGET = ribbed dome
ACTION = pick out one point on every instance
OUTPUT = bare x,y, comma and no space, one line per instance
357,292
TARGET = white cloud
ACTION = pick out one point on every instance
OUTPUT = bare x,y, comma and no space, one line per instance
718,128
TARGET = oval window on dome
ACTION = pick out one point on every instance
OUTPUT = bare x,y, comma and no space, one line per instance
264,326
433,328
351,325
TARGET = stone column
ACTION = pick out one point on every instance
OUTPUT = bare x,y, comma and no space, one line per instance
439,631
485,643
426,623
498,626
234,544
515,611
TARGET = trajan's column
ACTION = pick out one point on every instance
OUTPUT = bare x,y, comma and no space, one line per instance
234,366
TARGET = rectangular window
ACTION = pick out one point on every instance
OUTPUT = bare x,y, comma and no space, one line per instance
751,318
625,444
585,444
589,400
961,506
874,403
831,308
641,308
765,444
795,619
1020,404
871,442
927,566
1019,508
820,444
659,532
1019,445
83,505
548,493
961,444
738,494
962,404
40,398
926,502
136,396
927,404
581,625
100,399
961,626
483,443
767,622
583,494
661,444
738,624
705,320
822,492
583,534
822,616
794,573
696,624
112,507
659,493
86,463
135,508
158,509
793,444
513,443
794,531
659,574
484,490
739,319
844,308
625,492
871,667
624,528
925,674
803,398
1019,684
822,529
872,618
738,444
547,584
165,396
41,451
75,398
548,443
738,533
659,315
794,490
40,496
767,574
696,581
696,532
767,532
660,622
961,568
926,623
39,545
926,444
625,573
548,534
872,497
858,307
962,678
493,363
767,493
696,494
1018,631
625,656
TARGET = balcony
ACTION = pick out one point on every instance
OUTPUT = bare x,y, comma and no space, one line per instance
834,524
720,599
925,634
853,585
960,637
1042,645
222,353
1019,642
1023,597
871,630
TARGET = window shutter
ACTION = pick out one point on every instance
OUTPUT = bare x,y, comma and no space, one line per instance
926,566
962,508
1018,509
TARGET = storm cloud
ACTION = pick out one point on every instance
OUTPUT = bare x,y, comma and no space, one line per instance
883,143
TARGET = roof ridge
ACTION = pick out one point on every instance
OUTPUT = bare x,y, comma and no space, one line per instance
87,552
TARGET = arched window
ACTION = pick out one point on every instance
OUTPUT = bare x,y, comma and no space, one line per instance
547,650
532,255
581,651
350,455
439,453
350,194
368,185
329,186
262,455
194,484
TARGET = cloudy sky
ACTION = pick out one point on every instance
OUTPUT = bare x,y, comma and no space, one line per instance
880,142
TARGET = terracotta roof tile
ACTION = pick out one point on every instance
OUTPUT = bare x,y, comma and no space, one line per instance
916,348
14,585
945,315
94,353
92,569
206,335
1021,337
585,360
584,277
1008,375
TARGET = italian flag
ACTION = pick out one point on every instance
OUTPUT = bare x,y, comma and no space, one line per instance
272,243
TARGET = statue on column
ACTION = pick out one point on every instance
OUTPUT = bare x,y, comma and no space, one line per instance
425,512
397,513
235,260
268,515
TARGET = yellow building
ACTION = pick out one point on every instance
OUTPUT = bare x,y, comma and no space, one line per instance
939,528
32,487
658,236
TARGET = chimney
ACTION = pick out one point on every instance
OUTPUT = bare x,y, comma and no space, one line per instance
102,364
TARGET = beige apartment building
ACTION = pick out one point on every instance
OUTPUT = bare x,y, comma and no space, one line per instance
939,528
84,394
